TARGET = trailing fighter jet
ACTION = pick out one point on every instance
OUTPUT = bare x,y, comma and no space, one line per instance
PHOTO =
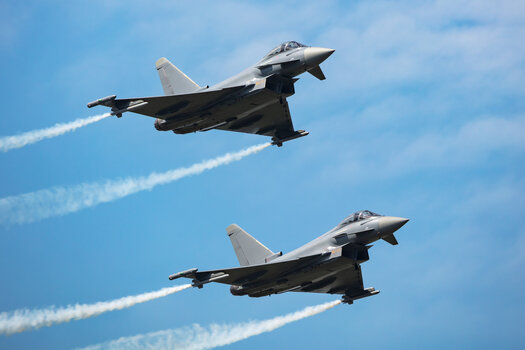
328,264
253,101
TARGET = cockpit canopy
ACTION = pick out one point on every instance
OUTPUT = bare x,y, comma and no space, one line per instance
286,46
360,215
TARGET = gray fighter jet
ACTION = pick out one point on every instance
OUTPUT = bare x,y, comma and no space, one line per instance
253,101
328,264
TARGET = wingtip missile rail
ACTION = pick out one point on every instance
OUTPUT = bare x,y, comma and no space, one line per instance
129,108
200,283
185,273
279,142
106,101
109,101
368,292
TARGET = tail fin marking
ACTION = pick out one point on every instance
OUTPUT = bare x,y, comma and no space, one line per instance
249,251
173,80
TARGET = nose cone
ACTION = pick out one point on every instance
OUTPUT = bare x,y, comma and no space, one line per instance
313,56
390,224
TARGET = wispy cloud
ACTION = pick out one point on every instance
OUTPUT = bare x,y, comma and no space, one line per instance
450,147
12,19
402,152
405,43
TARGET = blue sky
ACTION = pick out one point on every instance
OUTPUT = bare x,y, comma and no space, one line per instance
422,115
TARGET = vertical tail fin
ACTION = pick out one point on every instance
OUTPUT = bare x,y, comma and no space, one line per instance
249,250
173,80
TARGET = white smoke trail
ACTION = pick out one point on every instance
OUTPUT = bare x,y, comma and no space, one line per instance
27,138
63,200
26,319
197,337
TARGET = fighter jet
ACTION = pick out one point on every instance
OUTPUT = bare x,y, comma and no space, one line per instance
253,101
328,264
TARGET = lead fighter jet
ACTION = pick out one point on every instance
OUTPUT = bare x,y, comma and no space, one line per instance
253,101
328,264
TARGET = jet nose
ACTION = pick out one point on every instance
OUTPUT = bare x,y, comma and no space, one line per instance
390,224
314,56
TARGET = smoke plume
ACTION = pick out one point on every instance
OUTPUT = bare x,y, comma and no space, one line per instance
197,337
61,200
26,319
10,142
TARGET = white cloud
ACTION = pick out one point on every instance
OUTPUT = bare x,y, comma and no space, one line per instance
12,21
392,151
401,43
472,141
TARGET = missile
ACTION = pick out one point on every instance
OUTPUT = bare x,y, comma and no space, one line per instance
129,108
214,126
200,283
102,101
186,273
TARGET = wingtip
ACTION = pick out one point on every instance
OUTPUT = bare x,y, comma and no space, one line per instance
160,62
231,229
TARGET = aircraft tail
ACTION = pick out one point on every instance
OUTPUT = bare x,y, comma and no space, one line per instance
249,250
173,80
